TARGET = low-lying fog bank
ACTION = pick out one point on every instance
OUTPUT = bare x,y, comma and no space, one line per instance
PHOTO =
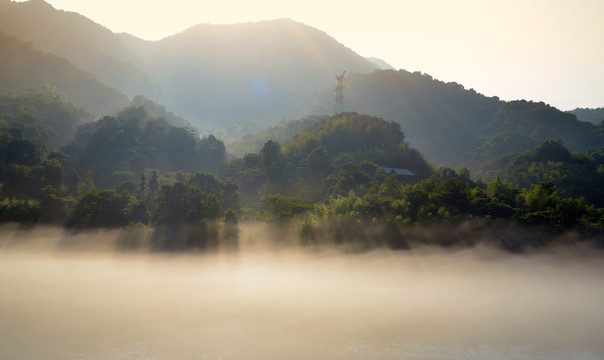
426,303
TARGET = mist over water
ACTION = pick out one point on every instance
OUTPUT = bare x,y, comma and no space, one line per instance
288,303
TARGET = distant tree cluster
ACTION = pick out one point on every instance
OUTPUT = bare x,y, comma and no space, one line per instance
336,180
42,115
387,213
577,175
117,149
452,125
124,171
335,155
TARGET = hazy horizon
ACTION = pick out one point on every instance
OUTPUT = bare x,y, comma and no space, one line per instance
544,50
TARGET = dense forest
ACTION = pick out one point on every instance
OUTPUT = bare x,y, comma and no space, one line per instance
77,153
348,179
452,125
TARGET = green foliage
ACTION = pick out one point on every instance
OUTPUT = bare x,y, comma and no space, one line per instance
545,206
456,126
96,209
282,132
19,211
347,133
26,168
447,197
500,144
154,111
574,175
355,176
279,207
119,149
334,156
42,116
181,203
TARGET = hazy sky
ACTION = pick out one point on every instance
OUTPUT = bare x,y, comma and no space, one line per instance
543,50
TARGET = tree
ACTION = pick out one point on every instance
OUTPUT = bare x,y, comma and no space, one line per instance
270,155
231,230
96,209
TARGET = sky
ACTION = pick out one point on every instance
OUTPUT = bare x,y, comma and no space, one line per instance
540,50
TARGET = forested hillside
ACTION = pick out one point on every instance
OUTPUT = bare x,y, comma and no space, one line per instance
117,149
349,179
72,36
333,156
214,75
76,153
449,124
156,111
282,132
22,68
594,116
42,116
220,75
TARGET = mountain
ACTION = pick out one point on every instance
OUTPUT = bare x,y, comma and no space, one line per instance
87,44
448,123
218,75
214,75
594,116
252,75
23,67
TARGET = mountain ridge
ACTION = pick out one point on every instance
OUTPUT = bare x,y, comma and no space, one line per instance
260,79
24,67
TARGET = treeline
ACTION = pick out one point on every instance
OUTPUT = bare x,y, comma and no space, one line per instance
347,179
391,213
336,180
594,116
42,115
451,125
335,155
576,175
188,210
126,170
117,149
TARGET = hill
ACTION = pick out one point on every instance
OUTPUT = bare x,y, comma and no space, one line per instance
281,132
594,116
219,75
214,75
153,110
87,44
120,148
23,67
42,117
448,123
333,156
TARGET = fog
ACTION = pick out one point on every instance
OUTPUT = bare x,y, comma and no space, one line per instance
87,301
